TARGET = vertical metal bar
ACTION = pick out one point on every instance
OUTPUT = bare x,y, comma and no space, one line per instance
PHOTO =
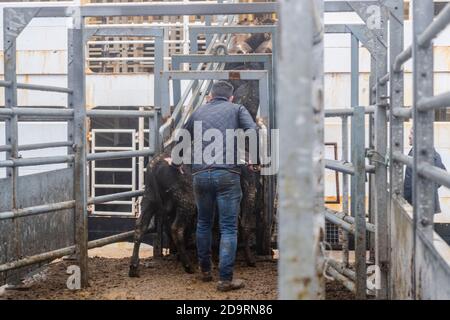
141,146
354,71
381,215
275,46
264,238
423,189
11,124
158,241
70,83
208,36
345,198
372,209
77,72
358,199
297,263
193,39
159,67
318,143
176,84
354,100
397,97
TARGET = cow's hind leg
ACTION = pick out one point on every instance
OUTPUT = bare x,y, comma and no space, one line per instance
141,228
178,235
248,254
245,227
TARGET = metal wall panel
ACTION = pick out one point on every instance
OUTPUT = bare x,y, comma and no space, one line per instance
41,233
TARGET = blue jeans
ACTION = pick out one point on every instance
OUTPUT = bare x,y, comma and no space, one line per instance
219,188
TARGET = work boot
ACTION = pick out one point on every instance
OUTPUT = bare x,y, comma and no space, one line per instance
206,276
225,286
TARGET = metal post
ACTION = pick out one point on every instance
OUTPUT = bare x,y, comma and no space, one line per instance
354,71
397,97
297,263
345,198
11,124
318,143
381,203
358,199
423,189
372,101
77,84
158,242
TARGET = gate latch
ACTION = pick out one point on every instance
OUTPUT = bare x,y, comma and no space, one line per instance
377,157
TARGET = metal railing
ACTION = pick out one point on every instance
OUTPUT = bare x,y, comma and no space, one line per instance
76,114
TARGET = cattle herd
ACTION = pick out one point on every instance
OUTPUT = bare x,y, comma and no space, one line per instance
169,192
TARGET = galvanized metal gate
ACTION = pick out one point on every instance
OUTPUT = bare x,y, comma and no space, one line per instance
74,236
409,260
123,177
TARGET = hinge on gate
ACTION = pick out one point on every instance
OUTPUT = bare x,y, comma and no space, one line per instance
377,157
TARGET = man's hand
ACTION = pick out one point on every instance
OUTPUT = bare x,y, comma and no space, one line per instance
260,122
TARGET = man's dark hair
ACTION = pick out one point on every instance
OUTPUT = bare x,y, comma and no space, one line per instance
222,89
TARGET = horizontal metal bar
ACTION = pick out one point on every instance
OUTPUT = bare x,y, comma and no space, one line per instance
113,186
339,222
5,148
216,75
126,31
118,155
114,148
349,284
339,166
405,112
232,29
191,9
437,102
4,83
35,210
55,254
229,58
344,6
370,168
436,27
115,196
400,157
336,28
36,87
108,240
45,145
38,161
48,256
36,112
351,220
132,131
342,269
113,213
435,174
113,169
402,58
119,114
122,202
335,113
345,112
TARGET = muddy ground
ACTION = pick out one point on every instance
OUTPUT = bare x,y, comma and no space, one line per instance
159,279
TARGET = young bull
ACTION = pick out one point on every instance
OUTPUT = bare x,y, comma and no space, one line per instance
169,190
